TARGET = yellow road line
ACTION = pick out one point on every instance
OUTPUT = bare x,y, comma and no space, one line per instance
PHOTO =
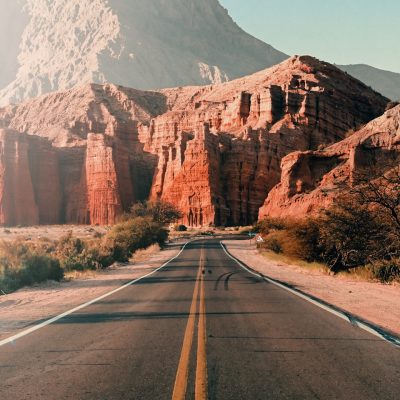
201,368
182,374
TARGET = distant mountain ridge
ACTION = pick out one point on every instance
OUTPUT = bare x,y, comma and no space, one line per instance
385,82
55,45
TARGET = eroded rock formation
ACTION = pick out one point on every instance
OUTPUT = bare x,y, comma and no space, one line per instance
312,180
29,180
213,150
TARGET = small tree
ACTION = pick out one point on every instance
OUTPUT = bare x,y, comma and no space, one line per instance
381,190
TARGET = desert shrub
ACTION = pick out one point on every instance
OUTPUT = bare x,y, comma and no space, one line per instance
354,234
351,234
303,239
72,254
295,238
78,255
159,211
22,264
180,228
274,242
137,233
387,270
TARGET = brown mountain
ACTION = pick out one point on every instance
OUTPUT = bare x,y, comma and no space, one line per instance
86,154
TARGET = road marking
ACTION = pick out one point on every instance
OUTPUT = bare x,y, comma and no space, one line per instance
354,321
65,314
201,388
182,373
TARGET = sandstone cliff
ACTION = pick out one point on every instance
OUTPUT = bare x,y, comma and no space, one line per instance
213,150
312,180
29,180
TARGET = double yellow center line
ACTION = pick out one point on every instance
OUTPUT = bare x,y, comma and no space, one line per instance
182,374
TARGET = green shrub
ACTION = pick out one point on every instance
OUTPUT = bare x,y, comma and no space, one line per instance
137,233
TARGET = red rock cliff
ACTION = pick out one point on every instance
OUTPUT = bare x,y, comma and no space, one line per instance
312,180
215,150
29,180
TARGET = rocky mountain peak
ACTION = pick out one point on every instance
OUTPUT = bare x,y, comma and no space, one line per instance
136,43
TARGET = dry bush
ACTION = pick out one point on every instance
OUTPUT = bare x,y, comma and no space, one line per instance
23,263
159,211
137,233
351,235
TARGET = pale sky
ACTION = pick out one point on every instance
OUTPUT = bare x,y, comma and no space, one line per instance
338,31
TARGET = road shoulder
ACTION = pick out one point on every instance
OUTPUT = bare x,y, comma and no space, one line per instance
370,301
24,308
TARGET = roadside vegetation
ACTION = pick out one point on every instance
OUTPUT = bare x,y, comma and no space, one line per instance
359,235
24,263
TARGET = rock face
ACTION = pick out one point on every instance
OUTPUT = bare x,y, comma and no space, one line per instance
29,180
311,180
213,150
135,43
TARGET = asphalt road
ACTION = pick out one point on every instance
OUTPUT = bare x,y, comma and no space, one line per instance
200,328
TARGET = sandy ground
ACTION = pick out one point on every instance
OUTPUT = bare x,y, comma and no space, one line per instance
53,232
25,307
371,301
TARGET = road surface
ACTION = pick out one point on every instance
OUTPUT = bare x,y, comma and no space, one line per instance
200,328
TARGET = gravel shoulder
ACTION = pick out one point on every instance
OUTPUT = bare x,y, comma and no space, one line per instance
27,306
371,301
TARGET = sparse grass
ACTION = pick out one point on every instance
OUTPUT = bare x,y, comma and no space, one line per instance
72,275
143,254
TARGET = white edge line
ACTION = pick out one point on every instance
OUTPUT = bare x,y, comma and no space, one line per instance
58,317
387,337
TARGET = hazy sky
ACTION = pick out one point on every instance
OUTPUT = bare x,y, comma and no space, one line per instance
338,31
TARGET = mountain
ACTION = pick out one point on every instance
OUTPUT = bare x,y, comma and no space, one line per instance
84,155
54,45
312,180
144,44
385,82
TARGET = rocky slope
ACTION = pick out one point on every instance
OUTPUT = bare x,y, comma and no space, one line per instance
135,43
214,151
55,45
312,180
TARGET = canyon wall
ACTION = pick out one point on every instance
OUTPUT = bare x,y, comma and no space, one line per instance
312,180
215,151
29,180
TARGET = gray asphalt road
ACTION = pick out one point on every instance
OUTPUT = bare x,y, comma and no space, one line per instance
200,328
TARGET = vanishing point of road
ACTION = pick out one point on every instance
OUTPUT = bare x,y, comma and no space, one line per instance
200,328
